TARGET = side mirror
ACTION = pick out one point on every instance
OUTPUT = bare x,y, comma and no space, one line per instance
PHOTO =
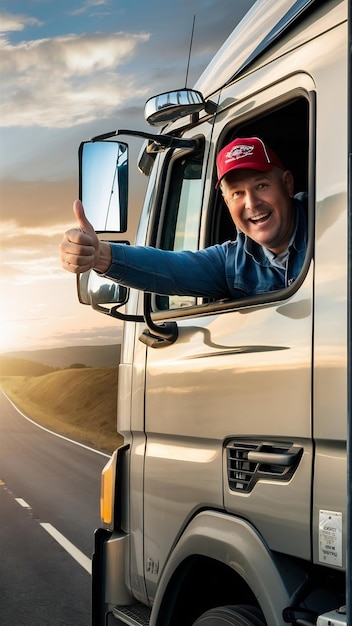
103,184
100,292
104,295
170,106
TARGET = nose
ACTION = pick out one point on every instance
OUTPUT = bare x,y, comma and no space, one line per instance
251,199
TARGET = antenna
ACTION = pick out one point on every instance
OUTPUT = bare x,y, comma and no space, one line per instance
190,50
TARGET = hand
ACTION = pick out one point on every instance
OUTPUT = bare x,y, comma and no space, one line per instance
80,249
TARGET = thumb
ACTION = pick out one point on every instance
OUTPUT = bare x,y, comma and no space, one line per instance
80,215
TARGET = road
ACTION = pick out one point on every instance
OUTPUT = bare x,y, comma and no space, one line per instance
49,508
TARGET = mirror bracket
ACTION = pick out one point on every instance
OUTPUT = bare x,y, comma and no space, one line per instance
157,336
115,313
210,107
153,341
157,143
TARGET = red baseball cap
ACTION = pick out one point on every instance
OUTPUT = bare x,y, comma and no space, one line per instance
246,153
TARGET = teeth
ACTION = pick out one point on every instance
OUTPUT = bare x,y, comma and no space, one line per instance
258,217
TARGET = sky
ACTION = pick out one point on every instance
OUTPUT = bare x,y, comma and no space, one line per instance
70,70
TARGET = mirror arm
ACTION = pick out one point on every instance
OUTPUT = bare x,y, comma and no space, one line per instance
157,336
114,312
158,141
124,316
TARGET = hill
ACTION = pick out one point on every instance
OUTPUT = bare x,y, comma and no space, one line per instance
10,366
77,403
91,356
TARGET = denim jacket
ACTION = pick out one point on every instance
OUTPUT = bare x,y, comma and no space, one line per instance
230,270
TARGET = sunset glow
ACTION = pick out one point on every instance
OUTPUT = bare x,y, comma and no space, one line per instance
71,70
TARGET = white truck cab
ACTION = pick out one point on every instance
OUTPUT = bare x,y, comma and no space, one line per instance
228,502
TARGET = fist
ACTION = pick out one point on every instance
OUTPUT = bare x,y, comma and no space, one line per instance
80,248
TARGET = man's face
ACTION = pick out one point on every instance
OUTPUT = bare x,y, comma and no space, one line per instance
260,204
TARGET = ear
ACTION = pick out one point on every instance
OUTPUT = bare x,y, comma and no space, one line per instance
224,194
226,201
287,179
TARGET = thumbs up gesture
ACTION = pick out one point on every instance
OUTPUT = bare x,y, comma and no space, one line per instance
80,248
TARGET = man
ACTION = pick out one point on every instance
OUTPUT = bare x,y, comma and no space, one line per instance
267,254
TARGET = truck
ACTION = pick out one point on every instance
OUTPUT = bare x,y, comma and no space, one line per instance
228,501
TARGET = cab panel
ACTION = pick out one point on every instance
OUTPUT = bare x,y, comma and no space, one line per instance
229,383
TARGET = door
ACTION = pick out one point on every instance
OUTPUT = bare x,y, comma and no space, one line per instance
237,382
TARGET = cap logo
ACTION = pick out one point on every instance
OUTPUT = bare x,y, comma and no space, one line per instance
239,152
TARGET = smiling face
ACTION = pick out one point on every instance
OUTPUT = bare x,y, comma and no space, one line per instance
261,205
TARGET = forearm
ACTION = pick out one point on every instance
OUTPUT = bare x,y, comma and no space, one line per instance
166,272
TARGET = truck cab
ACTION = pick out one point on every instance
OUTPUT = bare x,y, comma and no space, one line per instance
227,502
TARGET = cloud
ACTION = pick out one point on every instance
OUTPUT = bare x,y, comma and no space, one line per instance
29,255
59,82
95,335
13,23
88,5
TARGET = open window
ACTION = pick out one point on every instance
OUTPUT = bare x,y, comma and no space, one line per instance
286,130
285,127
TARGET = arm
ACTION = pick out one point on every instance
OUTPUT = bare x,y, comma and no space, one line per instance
200,273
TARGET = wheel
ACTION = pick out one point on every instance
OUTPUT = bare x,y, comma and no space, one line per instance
231,616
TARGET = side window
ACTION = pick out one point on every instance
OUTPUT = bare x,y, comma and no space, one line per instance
181,215
286,130
183,204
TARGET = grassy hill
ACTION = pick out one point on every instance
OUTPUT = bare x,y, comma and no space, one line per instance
92,356
78,403
10,366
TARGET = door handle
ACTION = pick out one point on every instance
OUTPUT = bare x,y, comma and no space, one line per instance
285,459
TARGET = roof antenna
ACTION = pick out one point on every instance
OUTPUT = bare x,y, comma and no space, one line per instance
190,50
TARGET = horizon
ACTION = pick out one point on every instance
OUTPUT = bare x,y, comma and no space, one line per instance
73,347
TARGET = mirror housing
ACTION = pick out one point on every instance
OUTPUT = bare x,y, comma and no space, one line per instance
104,295
99,292
103,184
171,106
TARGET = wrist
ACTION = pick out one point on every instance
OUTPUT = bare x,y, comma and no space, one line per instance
105,257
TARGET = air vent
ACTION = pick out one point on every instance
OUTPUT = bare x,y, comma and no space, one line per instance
250,461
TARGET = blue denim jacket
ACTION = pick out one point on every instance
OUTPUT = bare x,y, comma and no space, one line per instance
230,270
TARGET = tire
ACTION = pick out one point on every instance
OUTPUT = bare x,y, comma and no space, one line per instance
231,616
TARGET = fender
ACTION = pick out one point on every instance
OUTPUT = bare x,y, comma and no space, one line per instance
236,543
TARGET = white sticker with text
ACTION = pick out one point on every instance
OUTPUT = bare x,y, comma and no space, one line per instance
330,538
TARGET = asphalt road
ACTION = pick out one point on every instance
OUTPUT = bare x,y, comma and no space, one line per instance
49,508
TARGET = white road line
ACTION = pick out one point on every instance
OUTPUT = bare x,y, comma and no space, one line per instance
81,558
51,432
23,503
